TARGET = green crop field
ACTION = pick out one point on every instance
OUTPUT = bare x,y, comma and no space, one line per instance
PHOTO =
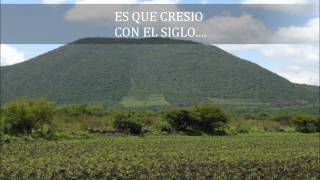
252,156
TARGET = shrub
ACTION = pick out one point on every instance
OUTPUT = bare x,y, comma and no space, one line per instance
210,119
284,120
23,116
164,126
181,120
306,124
263,116
253,126
200,118
2,123
128,123
94,110
84,109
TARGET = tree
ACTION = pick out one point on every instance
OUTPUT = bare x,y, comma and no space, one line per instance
181,120
306,123
24,115
200,118
210,119
128,123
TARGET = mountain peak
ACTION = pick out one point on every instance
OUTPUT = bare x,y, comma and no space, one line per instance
101,40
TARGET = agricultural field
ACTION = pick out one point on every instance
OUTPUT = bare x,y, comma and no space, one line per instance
242,156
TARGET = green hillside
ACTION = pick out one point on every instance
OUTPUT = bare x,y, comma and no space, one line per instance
147,71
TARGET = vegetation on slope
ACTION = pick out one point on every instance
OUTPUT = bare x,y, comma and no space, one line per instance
181,73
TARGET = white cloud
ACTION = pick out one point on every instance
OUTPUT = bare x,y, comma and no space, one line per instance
172,1
111,1
236,48
309,33
302,54
298,53
301,61
95,13
241,29
56,1
300,75
285,6
204,1
277,1
246,29
160,2
106,1
10,55
219,29
105,14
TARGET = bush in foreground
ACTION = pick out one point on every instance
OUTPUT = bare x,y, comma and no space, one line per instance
24,116
199,119
128,123
300,122
182,120
210,119
306,124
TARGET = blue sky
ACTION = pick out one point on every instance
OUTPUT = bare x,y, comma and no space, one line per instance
297,62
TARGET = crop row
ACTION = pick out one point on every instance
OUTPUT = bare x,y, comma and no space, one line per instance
264,156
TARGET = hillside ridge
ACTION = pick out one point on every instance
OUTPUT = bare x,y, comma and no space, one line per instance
154,72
